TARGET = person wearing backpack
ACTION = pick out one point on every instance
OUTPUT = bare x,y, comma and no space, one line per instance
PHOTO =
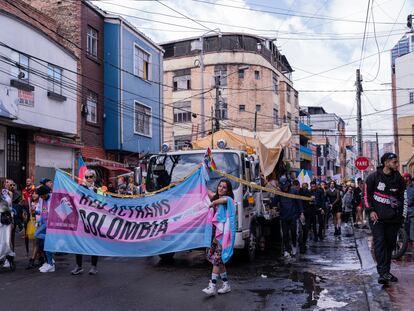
384,203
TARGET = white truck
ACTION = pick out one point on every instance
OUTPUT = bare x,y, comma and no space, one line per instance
252,207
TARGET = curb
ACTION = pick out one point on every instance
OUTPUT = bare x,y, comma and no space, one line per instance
377,297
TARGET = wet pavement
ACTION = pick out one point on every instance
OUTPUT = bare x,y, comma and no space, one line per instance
327,277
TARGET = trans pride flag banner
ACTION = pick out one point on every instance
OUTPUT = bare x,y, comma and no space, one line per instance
83,222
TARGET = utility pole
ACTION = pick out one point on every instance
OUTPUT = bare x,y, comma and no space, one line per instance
202,116
359,90
378,155
212,128
217,106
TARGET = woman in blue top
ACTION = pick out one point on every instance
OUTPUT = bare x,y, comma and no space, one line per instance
214,253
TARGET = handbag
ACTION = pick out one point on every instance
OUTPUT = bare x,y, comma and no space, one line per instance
31,229
6,218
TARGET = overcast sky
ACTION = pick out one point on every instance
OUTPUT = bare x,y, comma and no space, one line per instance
316,36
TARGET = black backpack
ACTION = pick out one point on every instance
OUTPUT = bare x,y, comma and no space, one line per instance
6,218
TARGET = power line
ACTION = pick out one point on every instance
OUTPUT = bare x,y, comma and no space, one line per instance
365,30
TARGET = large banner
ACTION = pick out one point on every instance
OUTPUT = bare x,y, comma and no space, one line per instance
83,222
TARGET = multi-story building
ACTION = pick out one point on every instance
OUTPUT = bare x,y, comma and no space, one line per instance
403,47
223,81
387,147
133,94
404,84
329,126
370,150
38,95
307,155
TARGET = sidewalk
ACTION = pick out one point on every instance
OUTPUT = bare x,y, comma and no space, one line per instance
399,294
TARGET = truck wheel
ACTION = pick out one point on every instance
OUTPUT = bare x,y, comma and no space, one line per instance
167,257
250,247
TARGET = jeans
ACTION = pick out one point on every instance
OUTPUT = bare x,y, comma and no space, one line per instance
385,238
289,228
48,255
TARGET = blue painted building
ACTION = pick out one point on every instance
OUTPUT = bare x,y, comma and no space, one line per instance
133,90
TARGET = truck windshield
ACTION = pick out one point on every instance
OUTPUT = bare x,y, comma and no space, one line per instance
164,169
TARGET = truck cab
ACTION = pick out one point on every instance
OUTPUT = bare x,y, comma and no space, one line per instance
169,167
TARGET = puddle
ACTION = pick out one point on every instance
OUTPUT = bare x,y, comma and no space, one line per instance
326,302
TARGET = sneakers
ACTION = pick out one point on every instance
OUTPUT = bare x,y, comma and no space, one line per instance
391,277
383,279
31,264
93,270
6,264
43,266
77,270
48,268
286,254
211,289
225,288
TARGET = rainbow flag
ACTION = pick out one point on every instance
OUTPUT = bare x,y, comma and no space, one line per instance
209,161
81,170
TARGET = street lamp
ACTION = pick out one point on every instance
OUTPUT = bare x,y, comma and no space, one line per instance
201,58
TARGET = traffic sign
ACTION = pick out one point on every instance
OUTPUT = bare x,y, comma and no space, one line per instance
362,163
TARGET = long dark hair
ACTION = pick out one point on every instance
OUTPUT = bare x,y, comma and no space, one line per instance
229,189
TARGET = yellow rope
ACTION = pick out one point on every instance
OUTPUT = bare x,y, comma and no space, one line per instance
126,196
253,185
231,177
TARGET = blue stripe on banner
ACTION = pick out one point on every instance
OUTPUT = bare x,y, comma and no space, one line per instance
200,237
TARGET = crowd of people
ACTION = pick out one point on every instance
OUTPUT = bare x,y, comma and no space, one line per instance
25,212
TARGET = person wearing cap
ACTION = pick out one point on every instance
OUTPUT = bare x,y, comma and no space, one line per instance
384,203
90,179
47,182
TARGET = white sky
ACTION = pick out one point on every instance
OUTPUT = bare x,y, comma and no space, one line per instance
307,57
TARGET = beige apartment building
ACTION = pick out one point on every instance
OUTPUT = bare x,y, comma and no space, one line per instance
250,74
405,141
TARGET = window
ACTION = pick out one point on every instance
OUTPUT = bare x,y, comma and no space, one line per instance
258,108
275,116
296,99
92,105
241,73
288,88
221,112
221,71
412,130
288,117
275,84
142,119
412,95
141,63
54,77
92,42
182,83
20,69
242,108
182,112
257,75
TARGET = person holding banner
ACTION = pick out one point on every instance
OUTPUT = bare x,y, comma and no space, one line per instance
90,179
223,234
40,235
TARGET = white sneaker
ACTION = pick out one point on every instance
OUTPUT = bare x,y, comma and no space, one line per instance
211,289
293,251
6,264
43,266
286,254
48,268
225,288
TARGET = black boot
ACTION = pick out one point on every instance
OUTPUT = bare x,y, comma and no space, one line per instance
339,231
11,261
31,264
40,261
336,231
383,279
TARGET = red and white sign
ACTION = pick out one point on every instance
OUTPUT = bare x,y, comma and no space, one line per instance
362,163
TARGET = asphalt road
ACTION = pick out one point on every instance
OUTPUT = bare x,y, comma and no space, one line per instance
327,277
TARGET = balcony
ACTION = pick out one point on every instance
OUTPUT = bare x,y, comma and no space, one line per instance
305,130
305,153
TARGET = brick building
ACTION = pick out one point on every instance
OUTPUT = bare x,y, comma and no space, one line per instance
252,75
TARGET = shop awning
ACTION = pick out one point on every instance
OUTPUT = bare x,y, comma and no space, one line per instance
118,169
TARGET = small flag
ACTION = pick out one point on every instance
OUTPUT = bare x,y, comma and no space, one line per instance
81,170
209,161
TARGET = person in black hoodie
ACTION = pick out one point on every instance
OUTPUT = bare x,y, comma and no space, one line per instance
384,203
